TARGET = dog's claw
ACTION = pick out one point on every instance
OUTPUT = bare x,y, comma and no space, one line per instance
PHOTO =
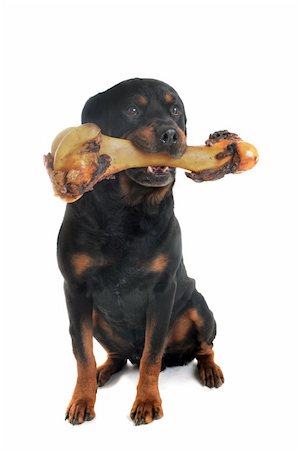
144,412
80,411
87,417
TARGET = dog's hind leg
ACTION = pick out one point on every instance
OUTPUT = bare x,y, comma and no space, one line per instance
114,345
210,374
191,336
113,364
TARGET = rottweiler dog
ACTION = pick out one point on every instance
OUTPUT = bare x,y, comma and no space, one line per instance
120,253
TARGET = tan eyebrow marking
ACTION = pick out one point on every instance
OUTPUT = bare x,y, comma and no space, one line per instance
168,98
142,100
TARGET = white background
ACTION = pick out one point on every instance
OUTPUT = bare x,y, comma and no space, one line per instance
235,65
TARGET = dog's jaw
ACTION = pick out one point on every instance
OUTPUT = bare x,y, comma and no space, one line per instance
134,193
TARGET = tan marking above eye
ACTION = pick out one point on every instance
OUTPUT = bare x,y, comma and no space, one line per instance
158,264
142,100
168,98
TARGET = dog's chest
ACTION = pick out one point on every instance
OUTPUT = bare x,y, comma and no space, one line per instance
137,257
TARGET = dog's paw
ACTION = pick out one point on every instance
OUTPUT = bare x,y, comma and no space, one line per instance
80,410
145,411
210,374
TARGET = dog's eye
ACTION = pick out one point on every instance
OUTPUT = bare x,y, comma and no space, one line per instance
175,111
132,111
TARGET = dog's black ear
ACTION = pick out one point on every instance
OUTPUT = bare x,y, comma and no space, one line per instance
96,110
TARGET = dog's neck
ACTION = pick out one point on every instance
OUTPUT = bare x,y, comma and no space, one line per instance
123,193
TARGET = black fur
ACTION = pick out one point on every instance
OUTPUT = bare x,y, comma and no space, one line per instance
132,272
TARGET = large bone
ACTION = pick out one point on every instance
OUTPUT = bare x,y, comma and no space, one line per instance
82,156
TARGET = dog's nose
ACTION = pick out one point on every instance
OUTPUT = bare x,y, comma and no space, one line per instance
169,137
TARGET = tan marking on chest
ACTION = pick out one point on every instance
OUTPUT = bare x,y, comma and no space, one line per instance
158,264
82,262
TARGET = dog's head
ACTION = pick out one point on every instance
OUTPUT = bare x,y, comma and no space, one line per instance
148,112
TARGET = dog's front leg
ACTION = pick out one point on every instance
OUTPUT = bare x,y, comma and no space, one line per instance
81,406
148,405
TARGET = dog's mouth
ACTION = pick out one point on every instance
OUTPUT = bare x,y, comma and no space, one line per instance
152,176
158,170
